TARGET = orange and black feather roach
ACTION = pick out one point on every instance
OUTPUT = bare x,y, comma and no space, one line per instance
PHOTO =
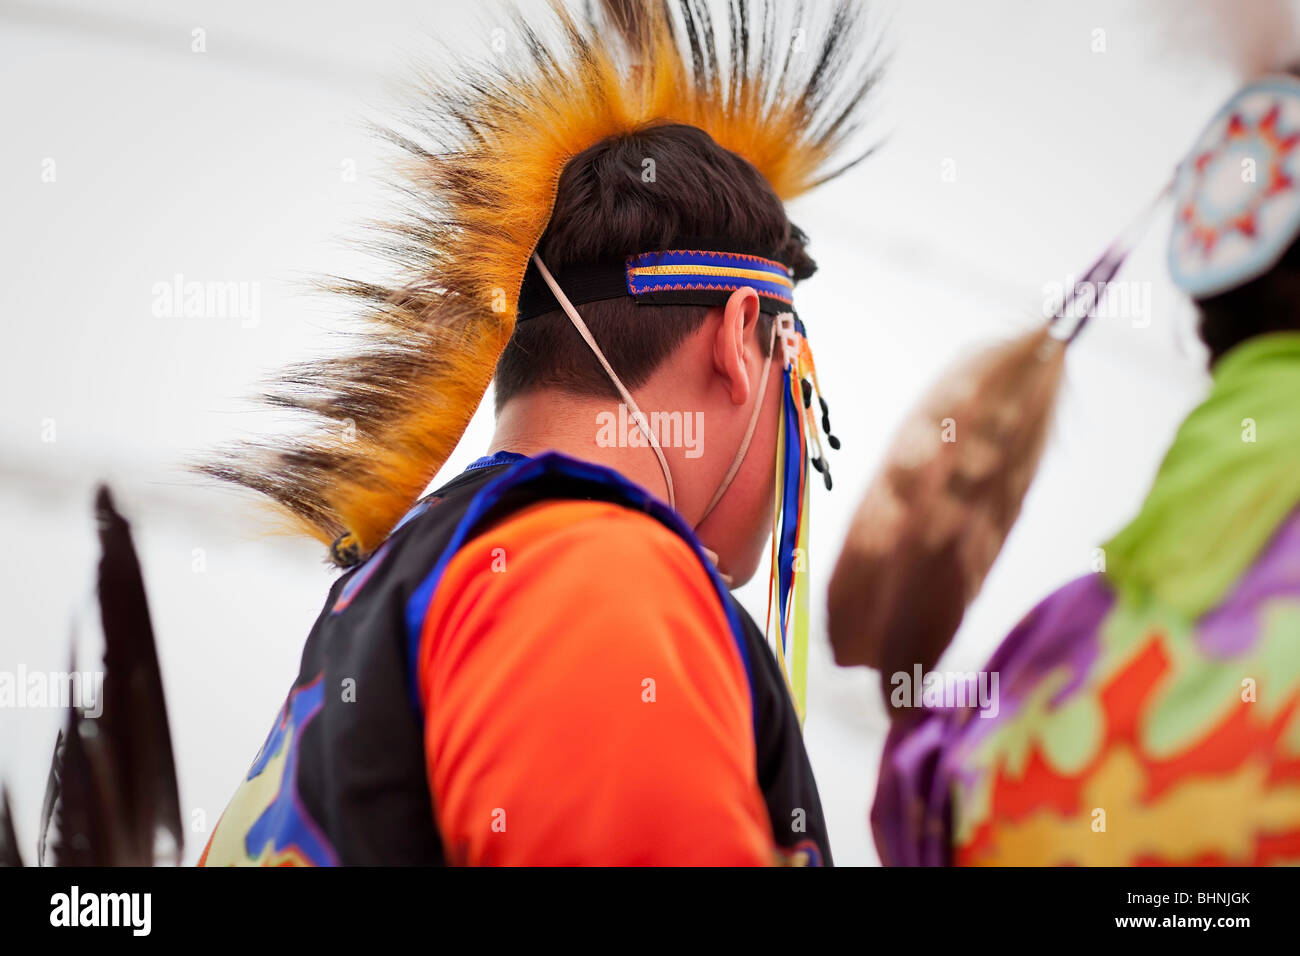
783,87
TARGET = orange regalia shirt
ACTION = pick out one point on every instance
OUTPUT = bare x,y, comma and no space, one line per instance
538,667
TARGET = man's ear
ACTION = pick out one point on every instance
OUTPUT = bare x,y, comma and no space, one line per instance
739,319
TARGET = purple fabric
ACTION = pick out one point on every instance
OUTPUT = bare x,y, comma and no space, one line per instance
912,815
1232,626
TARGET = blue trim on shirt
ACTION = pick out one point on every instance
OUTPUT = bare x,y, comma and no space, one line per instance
500,458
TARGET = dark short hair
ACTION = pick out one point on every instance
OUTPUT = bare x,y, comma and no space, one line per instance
1269,303
606,207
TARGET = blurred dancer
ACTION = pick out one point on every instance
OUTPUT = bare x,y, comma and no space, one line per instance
1150,714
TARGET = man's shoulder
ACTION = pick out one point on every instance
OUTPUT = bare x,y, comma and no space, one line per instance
577,581
611,546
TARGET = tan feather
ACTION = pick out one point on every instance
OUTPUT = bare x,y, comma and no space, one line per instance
936,515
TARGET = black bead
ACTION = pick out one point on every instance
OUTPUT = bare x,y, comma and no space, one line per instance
345,552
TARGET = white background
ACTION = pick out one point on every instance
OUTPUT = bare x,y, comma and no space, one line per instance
227,166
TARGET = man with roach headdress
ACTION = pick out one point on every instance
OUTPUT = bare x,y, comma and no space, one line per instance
540,662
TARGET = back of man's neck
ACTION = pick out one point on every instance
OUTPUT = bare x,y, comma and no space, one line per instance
543,421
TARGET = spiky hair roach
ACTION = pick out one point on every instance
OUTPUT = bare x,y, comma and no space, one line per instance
783,88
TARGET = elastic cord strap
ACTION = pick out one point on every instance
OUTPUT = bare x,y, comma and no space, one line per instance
585,332
749,432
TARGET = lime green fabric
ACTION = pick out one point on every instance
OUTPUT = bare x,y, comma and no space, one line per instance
1230,478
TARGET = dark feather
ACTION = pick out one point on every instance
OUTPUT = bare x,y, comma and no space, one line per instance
85,805
53,787
135,711
9,852
112,788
